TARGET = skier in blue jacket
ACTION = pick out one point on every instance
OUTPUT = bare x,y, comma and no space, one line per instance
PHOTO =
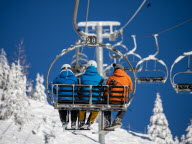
90,77
66,76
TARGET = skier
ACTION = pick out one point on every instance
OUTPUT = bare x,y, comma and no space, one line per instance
119,77
90,77
66,76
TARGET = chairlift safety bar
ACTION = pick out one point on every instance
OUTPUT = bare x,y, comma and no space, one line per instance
105,103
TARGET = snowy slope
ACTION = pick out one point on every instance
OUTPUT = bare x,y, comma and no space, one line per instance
45,127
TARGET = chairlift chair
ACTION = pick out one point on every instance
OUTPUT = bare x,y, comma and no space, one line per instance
157,78
134,56
80,105
122,47
84,36
181,87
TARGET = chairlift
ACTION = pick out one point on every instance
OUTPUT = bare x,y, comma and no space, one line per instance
183,87
160,74
122,47
78,104
135,57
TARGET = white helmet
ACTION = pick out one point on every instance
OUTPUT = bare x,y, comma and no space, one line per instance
65,66
92,63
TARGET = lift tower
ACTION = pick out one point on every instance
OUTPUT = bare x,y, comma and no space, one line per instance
101,30
98,30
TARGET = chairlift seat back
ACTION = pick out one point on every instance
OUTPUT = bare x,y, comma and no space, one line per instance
183,87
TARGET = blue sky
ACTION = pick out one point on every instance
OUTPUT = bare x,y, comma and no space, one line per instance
46,28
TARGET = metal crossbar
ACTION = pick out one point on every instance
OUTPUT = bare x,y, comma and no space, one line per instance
73,97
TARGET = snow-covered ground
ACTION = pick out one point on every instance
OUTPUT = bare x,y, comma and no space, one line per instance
44,127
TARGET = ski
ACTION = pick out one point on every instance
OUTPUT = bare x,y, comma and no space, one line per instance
104,131
113,127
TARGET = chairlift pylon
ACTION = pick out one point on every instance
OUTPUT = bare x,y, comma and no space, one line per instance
157,78
181,87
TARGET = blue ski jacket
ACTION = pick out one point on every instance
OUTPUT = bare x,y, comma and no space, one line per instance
65,77
91,77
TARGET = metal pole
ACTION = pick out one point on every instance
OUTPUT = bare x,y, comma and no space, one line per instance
101,125
99,50
99,59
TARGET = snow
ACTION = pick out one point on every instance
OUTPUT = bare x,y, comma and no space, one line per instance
158,127
39,91
45,127
189,134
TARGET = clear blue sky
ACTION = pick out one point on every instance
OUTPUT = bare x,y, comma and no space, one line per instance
46,27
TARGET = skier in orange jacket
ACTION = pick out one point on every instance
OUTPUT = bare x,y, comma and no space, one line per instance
119,77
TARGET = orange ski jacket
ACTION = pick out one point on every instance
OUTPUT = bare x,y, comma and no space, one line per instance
120,77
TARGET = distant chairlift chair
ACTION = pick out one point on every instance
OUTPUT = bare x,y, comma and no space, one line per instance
182,87
156,78
135,57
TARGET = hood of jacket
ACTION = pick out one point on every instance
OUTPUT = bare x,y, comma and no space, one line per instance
120,73
66,73
91,70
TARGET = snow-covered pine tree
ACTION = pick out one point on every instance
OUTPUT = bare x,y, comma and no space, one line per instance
39,91
29,89
189,134
4,72
182,139
158,128
20,56
176,140
15,104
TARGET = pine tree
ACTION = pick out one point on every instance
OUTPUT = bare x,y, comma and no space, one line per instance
30,89
189,134
4,72
15,104
21,57
182,139
39,91
176,140
158,127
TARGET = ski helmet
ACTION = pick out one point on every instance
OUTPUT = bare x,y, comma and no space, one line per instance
65,66
92,63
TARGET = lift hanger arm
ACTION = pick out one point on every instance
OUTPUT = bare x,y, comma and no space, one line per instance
75,26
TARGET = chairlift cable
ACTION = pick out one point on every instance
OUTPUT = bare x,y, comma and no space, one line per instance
165,30
174,26
133,15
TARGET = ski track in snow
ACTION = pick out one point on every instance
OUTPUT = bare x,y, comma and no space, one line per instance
45,128
6,129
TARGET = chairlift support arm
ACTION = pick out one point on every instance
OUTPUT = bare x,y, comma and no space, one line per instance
81,34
